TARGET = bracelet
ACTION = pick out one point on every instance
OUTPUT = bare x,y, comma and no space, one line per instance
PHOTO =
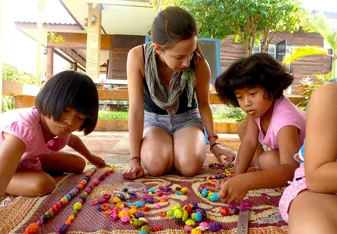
216,143
134,157
213,135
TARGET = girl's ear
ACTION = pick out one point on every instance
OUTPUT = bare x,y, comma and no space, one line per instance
157,48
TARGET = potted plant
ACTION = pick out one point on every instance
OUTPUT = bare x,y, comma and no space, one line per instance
305,83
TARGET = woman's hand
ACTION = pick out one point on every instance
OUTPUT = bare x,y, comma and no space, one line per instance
134,171
96,160
223,156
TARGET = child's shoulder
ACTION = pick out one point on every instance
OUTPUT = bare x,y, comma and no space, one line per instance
29,116
284,104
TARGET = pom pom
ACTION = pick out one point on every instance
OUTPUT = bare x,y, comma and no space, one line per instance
214,227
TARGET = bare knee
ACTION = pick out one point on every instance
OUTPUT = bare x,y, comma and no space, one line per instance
43,185
80,165
269,159
157,165
189,165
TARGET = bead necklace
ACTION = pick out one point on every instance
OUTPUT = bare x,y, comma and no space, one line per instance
57,208
81,200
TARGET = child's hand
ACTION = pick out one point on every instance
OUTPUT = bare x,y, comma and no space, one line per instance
234,189
220,152
96,160
134,171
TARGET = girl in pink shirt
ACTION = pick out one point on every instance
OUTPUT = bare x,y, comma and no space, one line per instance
31,138
256,85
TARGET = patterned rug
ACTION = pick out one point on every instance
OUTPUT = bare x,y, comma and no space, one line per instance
17,213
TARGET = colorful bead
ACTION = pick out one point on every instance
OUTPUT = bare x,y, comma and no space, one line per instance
224,210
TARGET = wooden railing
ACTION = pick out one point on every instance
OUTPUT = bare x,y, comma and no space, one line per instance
25,94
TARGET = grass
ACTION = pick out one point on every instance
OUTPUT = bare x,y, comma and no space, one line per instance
106,115
219,117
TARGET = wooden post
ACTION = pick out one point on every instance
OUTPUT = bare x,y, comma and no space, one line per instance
94,40
50,63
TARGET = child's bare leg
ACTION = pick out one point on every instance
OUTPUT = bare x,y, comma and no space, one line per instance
269,159
157,151
30,183
313,213
64,162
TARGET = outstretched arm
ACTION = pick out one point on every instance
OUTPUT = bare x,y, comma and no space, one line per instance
236,188
203,76
247,147
11,151
77,144
135,74
321,140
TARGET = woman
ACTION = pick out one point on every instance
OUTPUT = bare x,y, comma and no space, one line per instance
163,76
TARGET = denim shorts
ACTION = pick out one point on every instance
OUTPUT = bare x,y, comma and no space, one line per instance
177,122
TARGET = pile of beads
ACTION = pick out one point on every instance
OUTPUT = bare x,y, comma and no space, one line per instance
82,198
55,209
226,171
209,192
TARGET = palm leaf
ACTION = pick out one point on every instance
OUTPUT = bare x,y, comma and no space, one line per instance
302,51
318,23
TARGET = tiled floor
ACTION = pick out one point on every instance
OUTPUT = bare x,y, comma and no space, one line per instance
115,145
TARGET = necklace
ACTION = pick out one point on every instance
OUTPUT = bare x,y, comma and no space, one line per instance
57,208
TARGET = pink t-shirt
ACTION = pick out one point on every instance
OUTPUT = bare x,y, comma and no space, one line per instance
285,113
25,124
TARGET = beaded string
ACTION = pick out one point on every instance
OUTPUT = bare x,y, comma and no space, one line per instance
81,200
55,209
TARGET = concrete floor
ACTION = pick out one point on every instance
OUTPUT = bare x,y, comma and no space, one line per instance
114,146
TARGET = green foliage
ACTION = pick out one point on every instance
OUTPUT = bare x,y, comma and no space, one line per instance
246,20
228,113
316,23
299,52
311,87
112,115
10,72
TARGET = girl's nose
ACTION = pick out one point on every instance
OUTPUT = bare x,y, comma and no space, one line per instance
69,120
247,101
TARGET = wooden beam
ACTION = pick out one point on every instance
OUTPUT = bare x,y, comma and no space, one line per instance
25,94
106,94
79,40
13,88
23,101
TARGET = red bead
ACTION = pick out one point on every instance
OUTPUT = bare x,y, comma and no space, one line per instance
146,208
224,210
188,208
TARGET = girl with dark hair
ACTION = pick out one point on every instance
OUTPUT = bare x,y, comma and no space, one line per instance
256,85
31,138
163,77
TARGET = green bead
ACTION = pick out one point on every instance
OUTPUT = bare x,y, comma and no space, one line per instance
77,206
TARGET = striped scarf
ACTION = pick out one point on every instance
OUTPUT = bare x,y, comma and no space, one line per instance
179,80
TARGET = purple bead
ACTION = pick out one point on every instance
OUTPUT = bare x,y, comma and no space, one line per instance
214,227
63,229
139,214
